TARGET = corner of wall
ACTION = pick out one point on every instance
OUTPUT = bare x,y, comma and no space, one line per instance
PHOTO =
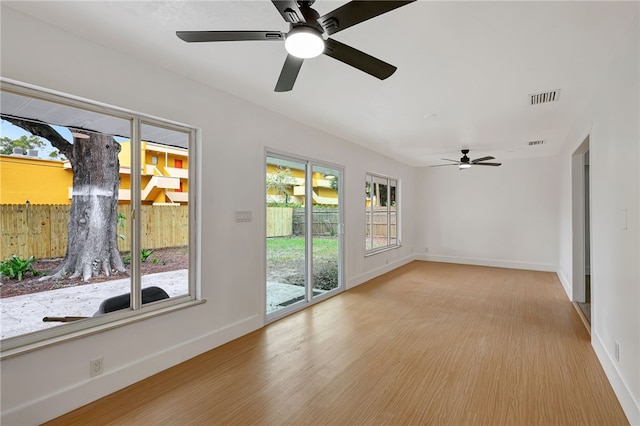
566,285
369,275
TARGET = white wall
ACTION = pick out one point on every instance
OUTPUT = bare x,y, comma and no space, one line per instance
40,385
505,216
520,217
611,120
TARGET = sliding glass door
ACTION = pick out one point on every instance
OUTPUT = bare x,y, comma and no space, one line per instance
303,233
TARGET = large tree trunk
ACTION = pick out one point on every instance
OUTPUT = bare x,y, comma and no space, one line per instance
92,246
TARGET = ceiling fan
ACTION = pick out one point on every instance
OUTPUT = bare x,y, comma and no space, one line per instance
308,36
465,162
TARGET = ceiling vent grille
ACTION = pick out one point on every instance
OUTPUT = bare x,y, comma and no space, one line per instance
544,97
534,143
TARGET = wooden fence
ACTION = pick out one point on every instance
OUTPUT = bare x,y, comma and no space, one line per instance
380,222
279,221
286,221
325,221
41,230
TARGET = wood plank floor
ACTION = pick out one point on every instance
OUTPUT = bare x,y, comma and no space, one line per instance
429,343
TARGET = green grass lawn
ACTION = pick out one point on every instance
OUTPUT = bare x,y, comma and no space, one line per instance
286,249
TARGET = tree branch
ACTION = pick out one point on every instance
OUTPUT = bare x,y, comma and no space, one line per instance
43,130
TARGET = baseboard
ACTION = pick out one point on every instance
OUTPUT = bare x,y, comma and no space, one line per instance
489,262
630,406
369,275
75,396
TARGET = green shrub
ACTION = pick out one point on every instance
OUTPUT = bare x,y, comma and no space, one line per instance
16,267
144,255
325,276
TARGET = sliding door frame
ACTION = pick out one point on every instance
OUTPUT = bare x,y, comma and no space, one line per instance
309,299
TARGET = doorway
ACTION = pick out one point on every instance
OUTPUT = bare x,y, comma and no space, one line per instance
582,282
303,233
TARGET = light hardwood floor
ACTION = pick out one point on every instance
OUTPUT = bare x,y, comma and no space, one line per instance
429,343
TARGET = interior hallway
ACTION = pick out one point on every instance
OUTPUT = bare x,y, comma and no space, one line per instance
429,343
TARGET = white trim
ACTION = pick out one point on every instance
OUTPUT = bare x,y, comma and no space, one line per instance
578,290
630,405
24,343
370,209
498,263
374,273
16,345
39,92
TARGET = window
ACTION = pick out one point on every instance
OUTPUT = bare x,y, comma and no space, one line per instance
381,207
100,225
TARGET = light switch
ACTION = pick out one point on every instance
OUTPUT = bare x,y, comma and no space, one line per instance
243,216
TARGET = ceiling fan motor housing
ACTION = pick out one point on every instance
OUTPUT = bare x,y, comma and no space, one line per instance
310,16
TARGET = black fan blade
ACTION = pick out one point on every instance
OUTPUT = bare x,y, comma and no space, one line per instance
199,36
358,59
487,164
289,10
483,159
289,73
446,159
440,165
355,12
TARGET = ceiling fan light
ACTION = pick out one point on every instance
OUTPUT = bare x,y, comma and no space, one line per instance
464,166
304,42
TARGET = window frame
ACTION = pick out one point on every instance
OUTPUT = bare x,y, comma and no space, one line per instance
16,345
370,177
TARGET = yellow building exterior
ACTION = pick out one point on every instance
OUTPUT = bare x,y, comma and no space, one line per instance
164,177
323,193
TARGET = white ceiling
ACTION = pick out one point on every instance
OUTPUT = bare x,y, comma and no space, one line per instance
465,69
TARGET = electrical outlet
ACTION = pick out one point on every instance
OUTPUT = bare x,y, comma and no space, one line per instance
617,351
426,249
95,367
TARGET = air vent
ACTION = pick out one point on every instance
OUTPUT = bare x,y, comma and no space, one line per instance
533,143
544,97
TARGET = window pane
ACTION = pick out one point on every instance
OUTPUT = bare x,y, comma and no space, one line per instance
285,199
325,229
61,218
164,212
392,213
380,216
381,213
369,212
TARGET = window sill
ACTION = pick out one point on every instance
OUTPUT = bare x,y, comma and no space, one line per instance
19,345
381,250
